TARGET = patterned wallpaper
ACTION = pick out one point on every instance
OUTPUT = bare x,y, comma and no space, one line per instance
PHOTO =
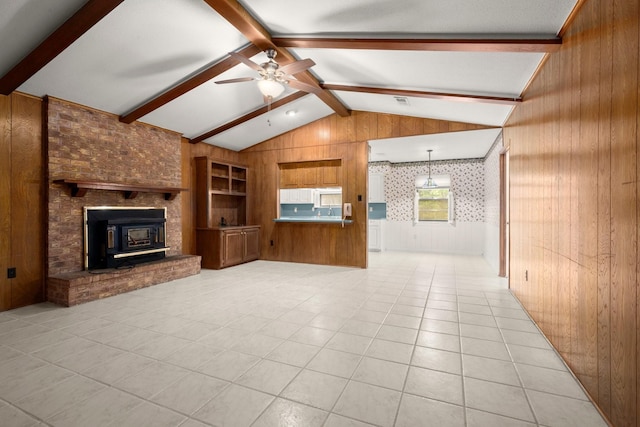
467,184
492,184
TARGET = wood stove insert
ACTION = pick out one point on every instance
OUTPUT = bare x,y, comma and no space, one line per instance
118,237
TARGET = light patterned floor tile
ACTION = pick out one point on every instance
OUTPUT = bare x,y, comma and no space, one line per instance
287,413
235,406
368,403
108,406
335,363
557,411
414,410
268,376
13,417
150,415
59,397
500,371
381,373
306,339
435,385
349,343
228,365
497,398
315,389
190,393
439,360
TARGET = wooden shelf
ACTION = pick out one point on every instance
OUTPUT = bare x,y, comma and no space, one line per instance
221,190
79,188
228,193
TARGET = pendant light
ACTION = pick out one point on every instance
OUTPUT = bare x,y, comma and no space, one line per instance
429,183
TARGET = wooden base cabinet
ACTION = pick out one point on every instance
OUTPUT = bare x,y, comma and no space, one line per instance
227,246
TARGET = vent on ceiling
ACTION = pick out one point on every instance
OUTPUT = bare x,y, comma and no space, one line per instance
401,100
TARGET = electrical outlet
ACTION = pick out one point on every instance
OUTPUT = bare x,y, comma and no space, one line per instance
271,242
11,273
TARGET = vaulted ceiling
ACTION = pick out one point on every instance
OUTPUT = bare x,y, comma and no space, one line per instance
158,61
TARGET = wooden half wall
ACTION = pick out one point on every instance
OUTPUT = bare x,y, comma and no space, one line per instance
574,169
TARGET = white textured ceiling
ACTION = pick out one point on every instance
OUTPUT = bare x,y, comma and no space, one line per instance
331,17
145,47
471,144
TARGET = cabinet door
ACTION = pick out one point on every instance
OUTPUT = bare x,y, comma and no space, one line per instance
288,177
375,236
376,188
252,244
308,176
305,195
285,196
233,247
329,173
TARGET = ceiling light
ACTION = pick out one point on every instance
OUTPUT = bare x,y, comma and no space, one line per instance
429,183
291,113
270,88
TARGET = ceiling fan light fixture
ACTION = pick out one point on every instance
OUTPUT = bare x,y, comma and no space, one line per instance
270,88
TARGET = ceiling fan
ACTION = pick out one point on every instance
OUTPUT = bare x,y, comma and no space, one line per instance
274,77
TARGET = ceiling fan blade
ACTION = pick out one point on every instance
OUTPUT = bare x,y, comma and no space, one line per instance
296,67
238,80
246,61
305,87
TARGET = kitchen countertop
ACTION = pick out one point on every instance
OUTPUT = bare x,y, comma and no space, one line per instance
228,227
313,219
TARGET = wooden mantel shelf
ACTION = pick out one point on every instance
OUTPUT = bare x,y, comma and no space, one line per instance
79,188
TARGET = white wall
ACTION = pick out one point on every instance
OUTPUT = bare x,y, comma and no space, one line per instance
466,238
491,249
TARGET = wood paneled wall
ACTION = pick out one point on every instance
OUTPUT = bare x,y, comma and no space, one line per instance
333,137
22,226
574,169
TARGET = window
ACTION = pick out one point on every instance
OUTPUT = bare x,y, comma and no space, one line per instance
330,199
433,204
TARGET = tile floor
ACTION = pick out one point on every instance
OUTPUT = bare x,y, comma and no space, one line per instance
415,340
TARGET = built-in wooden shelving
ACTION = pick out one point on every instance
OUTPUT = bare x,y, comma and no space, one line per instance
221,190
79,188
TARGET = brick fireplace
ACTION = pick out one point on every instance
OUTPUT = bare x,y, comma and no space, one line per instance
90,145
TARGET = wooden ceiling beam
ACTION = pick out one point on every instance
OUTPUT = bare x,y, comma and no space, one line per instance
241,19
249,116
325,96
453,45
423,94
81,21
184,87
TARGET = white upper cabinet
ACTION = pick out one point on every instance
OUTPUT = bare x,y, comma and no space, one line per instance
376,188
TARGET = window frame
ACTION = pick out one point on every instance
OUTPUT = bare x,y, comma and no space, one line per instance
445,183
419,198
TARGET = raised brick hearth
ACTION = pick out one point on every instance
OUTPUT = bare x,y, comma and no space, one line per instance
76,288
